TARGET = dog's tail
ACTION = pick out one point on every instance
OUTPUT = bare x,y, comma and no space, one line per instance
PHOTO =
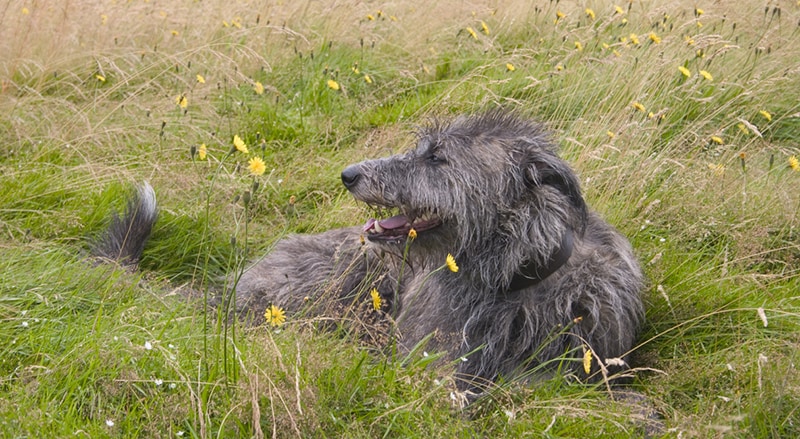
124,239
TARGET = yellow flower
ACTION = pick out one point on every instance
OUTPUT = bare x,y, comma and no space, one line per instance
367,79
510,67
685,71
256,166
654,38
706,75
638,106
225,24
559,16
333,85
25,11
174,33
239,144
766,115
451,263
376,299
590,13
275,316
181,101
610,134
484,28
202,151
618,10
698,12
258,88
794,163
587,361
472,32
201,79
412,234
578,46
689,40
634,39
559,67
100,77
370,17
718,170
717,140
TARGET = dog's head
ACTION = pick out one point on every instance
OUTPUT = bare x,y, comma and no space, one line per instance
480,183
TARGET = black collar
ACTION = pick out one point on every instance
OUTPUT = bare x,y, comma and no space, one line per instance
530,274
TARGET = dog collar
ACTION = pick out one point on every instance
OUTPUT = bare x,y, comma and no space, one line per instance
531,274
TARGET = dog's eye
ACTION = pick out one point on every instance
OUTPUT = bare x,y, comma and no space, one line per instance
435,158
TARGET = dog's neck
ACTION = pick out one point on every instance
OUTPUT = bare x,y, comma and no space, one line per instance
530,273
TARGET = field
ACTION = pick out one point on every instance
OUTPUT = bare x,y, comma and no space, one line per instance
682,119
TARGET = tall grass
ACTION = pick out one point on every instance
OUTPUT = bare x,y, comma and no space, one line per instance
692,165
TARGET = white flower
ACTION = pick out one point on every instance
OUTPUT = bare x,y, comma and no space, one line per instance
24,324
148,345
109,422
159,381
172,385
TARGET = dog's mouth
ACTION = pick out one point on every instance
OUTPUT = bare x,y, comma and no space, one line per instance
397,228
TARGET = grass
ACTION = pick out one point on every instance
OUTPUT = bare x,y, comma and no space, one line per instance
88,105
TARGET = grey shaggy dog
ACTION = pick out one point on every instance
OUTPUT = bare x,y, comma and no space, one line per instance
540,279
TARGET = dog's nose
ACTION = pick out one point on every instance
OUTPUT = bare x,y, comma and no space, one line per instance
350,176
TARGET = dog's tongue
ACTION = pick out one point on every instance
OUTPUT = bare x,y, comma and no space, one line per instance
394,222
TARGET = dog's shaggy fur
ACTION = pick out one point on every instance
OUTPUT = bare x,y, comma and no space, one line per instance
491,191
541,277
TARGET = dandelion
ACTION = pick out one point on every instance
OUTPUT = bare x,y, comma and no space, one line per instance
472,32
706,75
484,28
637,105
274,316
239,144
684,71
258,88
181,101
618,10
256,166
794,163
201,79
559,67
654,38
25,11
202,151
698,12
333,85
100,77
766,115
367,79
174,33
717,140
376,299
451,263
717,169
510,67
370,17
412,234
610,134
578,46
689,40
590,13
587,361
634,39
559,16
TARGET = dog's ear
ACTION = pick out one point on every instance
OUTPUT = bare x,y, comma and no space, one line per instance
552,171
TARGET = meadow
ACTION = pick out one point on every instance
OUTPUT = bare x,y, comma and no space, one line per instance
682,119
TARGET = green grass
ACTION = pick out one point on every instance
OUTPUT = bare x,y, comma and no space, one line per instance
715,224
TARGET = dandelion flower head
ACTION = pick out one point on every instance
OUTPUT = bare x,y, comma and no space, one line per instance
376,299
794,163
765,114
587,361
451,263
202,151
333,85
258,88
239,144
256,166
275,316
706,75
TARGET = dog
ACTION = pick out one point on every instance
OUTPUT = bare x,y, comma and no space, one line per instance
490,256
